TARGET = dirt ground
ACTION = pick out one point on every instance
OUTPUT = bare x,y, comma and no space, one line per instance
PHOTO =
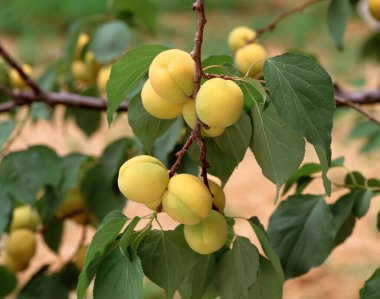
248,193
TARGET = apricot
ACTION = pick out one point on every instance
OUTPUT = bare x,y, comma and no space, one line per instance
81,72
143,179
83,40
374,8
187,199
13,264
172,75
154,204
74,207
156,105
188,113
80,257
219,102
208,235
239,36
21,245
250,59
219,199
16,80
102,79
24,217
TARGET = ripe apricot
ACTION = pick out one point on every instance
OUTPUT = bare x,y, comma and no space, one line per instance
239,36
250,59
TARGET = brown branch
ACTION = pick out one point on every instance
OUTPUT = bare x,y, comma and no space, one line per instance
225,77
14,64
21,98
273,24
345,102
366,97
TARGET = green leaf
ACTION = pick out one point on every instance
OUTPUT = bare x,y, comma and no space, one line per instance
43,286
267,285
355,180
119,277
127,72
263,238
40,111
143,11
217,60
371,289
53,235
237,269
110,40
146,127
196,283
236,138
254,93
6,129
362,202
308,235
302,91
102,197
71,166
6,204
167,259
8,282
87,120
100,246
338,14
278,149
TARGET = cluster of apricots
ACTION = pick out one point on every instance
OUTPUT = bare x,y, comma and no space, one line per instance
20,246
184,197
168,93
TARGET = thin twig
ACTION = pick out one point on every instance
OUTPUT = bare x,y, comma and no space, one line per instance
273,24
346,102
14,64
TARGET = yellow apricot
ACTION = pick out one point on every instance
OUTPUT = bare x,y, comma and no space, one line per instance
81,72
21,245
80,257
219,199
208,235
13,264
24,217
187,199
219,102
250,59
172,75
239,36
16,80
188,113
102,79
154,204
74,207
143,179
374,8
156,105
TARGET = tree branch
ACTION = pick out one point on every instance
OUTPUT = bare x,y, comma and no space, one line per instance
12,62
273,24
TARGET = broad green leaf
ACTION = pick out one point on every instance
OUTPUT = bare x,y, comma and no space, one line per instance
344,219
278,149
338,14
114,156
8,282
236,138
39,111
166,259
219,64
71,166
43,286
307,170
302,232
110,40
355,180
143,11
6,204
362,202
217,60
303,93
263,238
146,127
196,283
254,93
165,144
53,235
129,236
6,129
371,289
100,246
222,165
127,72
267,285
364,129
87,120
237,269
102,197
119,277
